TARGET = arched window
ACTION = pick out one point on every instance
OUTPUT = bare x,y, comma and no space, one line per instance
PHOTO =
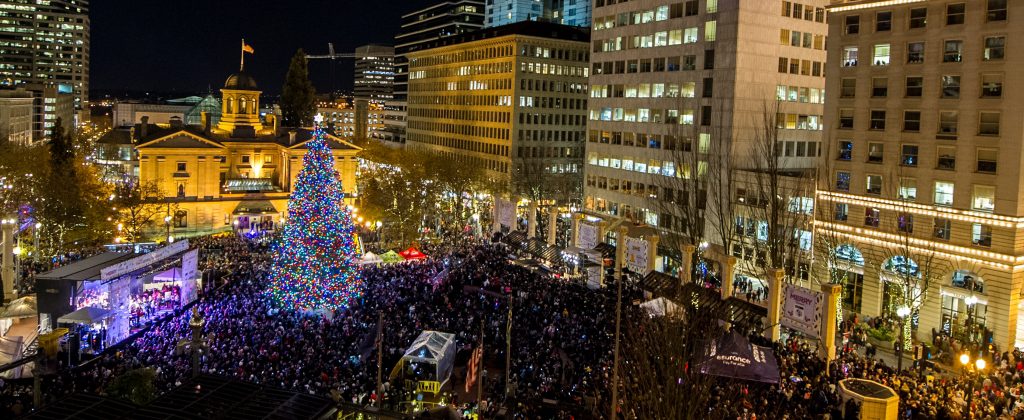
229,105
967,279
243,106
900,265
850,253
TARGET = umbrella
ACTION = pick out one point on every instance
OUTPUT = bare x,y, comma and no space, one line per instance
20,308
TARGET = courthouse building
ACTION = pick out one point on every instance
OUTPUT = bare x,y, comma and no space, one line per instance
236,174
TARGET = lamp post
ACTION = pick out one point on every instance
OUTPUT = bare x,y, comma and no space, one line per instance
167,228
972,302
902,313
979,367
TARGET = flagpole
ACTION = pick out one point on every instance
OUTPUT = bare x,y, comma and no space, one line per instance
479,367
241,66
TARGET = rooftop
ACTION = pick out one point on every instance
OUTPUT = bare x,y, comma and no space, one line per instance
526,28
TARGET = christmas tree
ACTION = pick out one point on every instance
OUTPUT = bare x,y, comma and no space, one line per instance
314,259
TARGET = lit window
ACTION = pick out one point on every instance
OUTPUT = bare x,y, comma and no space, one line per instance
943,193
984,198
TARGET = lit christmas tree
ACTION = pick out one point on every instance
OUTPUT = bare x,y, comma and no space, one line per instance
315,258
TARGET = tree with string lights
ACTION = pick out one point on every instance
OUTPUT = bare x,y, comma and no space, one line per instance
315,258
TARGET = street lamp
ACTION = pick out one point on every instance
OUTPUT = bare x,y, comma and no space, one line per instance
972,302
902,312
167,228
979,367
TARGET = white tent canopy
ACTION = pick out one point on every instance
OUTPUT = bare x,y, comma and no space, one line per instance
173,274
433,348
20,308
371,258
86,315
659,307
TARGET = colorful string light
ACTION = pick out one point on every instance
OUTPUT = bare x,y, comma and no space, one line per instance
315,257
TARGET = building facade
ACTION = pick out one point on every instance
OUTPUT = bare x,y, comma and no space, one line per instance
375,73
16,116
924,181
46,43
680,88
419,28
237,174
566,12
50,103
511,100
342,116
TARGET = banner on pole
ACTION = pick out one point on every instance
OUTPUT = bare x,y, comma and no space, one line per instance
802,309
636,255
586,235
506,212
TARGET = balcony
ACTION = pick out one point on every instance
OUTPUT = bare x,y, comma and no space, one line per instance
249,185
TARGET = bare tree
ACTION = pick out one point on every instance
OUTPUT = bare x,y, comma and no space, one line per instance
778,200
909,265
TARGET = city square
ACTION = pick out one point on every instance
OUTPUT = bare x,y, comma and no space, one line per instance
511,209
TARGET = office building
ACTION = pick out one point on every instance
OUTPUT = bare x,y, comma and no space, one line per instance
923,117
47,43
510,100
16,116
50,102
341,117
188,109
421,27
674,81
375,73
566,12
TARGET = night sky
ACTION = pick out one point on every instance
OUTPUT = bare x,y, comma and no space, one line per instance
188,46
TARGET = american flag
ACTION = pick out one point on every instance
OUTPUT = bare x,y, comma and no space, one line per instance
473,369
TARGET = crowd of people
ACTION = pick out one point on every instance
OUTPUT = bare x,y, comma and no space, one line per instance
560,348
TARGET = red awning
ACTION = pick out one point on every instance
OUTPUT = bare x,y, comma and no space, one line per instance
412,254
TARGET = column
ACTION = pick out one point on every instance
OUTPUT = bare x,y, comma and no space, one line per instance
775,304
652,252
531,219
729,271
8,258
620,251
552,224
686,269
575,230
495,224
602,231
828,320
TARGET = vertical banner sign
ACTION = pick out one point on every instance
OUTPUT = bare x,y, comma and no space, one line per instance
802,309
586,236
506,212
117,325
636,255
189,269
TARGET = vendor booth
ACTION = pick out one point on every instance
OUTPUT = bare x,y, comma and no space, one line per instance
370,258
427,364
391,257
412,254
105,298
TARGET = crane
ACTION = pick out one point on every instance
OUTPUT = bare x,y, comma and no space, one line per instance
333,56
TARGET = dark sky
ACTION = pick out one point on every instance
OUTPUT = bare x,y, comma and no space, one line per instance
186,46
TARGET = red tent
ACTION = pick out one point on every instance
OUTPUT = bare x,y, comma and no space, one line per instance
412,254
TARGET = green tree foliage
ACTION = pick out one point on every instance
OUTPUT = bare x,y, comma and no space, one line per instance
298,97
138,206
137,386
